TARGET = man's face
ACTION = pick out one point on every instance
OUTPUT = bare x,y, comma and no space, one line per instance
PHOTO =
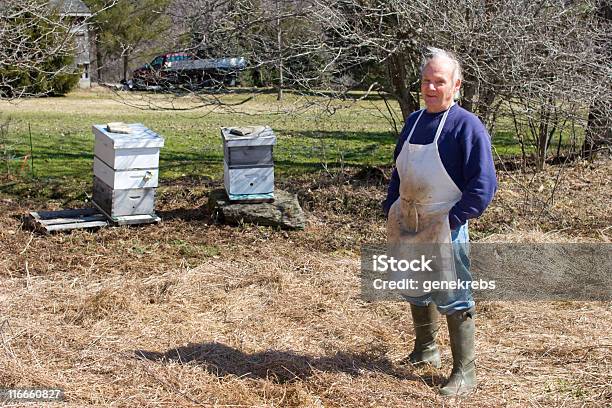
437,85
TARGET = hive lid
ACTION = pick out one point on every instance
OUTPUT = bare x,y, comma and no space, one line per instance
248,136
140,136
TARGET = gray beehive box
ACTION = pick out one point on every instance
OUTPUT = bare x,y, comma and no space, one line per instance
248,166
126,170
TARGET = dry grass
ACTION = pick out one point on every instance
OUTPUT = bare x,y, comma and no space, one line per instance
188,313
571,201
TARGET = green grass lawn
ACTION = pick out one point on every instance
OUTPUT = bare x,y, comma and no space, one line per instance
309,140
63,142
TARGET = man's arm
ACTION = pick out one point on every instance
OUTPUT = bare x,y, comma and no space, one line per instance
479,173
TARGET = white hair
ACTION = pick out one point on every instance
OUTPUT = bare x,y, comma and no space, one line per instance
433,53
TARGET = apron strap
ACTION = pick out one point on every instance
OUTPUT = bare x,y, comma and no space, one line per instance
441,125
414,126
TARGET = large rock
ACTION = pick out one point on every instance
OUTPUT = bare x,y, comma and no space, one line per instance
285,212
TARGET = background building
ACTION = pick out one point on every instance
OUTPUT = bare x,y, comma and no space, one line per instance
78,14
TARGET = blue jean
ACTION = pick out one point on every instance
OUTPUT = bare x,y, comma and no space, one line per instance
451,301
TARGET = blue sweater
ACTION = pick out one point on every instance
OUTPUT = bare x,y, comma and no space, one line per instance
465,150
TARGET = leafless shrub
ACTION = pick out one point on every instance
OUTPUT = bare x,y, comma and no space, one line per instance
544,64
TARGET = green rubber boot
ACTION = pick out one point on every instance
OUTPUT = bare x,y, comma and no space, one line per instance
425,320
461,332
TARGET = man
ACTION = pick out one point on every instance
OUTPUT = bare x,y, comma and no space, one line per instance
444,175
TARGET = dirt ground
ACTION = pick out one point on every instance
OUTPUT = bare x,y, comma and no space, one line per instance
189,313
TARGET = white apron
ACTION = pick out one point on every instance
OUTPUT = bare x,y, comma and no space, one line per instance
420,215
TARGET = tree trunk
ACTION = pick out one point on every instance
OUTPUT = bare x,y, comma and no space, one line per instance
279,37
478,100
468,93
125,65
543,134
99,59
486,98
599,126
398,76
598,132
257,80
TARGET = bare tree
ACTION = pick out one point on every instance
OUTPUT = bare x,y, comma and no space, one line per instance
544,63
275,36
36,44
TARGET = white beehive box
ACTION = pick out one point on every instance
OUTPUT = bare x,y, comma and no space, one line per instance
126,170
136,150
124,179
248,166
250,180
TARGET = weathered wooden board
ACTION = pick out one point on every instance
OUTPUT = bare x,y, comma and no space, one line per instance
82,218
136,219
66,220
129,219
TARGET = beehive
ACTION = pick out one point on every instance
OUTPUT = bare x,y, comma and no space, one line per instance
126,170
248,165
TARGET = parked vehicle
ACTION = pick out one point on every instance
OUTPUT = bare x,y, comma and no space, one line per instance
186,69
